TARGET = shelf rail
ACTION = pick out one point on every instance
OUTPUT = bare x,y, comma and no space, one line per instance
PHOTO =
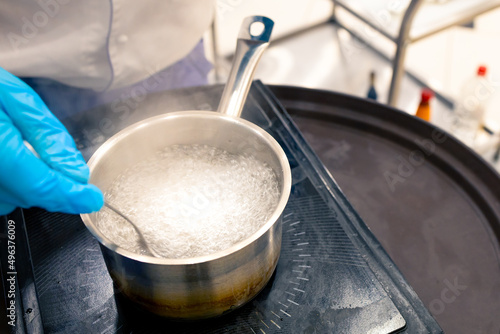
404,37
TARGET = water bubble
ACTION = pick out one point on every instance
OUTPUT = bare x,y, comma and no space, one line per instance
190,200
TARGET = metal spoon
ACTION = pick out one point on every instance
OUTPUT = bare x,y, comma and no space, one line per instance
142,240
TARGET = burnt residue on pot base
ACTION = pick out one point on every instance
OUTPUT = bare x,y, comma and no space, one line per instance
201,303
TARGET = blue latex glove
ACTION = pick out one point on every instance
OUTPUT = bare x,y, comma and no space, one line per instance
57,181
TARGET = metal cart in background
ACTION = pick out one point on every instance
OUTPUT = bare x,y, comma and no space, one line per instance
409,27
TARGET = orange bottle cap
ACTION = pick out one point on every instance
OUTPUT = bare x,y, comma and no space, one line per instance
427,94
481,71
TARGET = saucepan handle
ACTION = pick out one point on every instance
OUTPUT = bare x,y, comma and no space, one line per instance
253,39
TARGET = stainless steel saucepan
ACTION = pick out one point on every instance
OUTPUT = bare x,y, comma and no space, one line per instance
211,285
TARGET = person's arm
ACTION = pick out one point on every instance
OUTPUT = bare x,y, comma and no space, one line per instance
57,180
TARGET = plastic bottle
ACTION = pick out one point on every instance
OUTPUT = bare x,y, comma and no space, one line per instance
424,109
372,93
471,105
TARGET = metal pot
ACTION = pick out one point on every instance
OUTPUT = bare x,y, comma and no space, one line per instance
211,285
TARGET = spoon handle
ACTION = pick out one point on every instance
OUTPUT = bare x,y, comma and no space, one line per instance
142,240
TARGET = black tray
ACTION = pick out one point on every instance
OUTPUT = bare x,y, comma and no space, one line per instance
432,202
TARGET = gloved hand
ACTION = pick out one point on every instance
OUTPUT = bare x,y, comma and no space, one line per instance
57,181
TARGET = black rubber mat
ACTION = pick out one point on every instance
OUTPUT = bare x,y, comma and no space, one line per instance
433,204
332,275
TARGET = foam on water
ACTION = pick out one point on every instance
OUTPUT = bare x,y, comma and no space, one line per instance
190,200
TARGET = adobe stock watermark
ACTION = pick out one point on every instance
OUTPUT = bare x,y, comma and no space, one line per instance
471,108
31,26
130,100
10,277
196,202
382,19
122,107
482,92
448,295
227,6
407,165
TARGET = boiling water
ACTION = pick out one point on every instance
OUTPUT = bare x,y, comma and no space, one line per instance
190,200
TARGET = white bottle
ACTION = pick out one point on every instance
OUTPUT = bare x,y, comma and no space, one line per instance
471,106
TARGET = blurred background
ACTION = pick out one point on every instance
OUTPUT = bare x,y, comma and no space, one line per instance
336,45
